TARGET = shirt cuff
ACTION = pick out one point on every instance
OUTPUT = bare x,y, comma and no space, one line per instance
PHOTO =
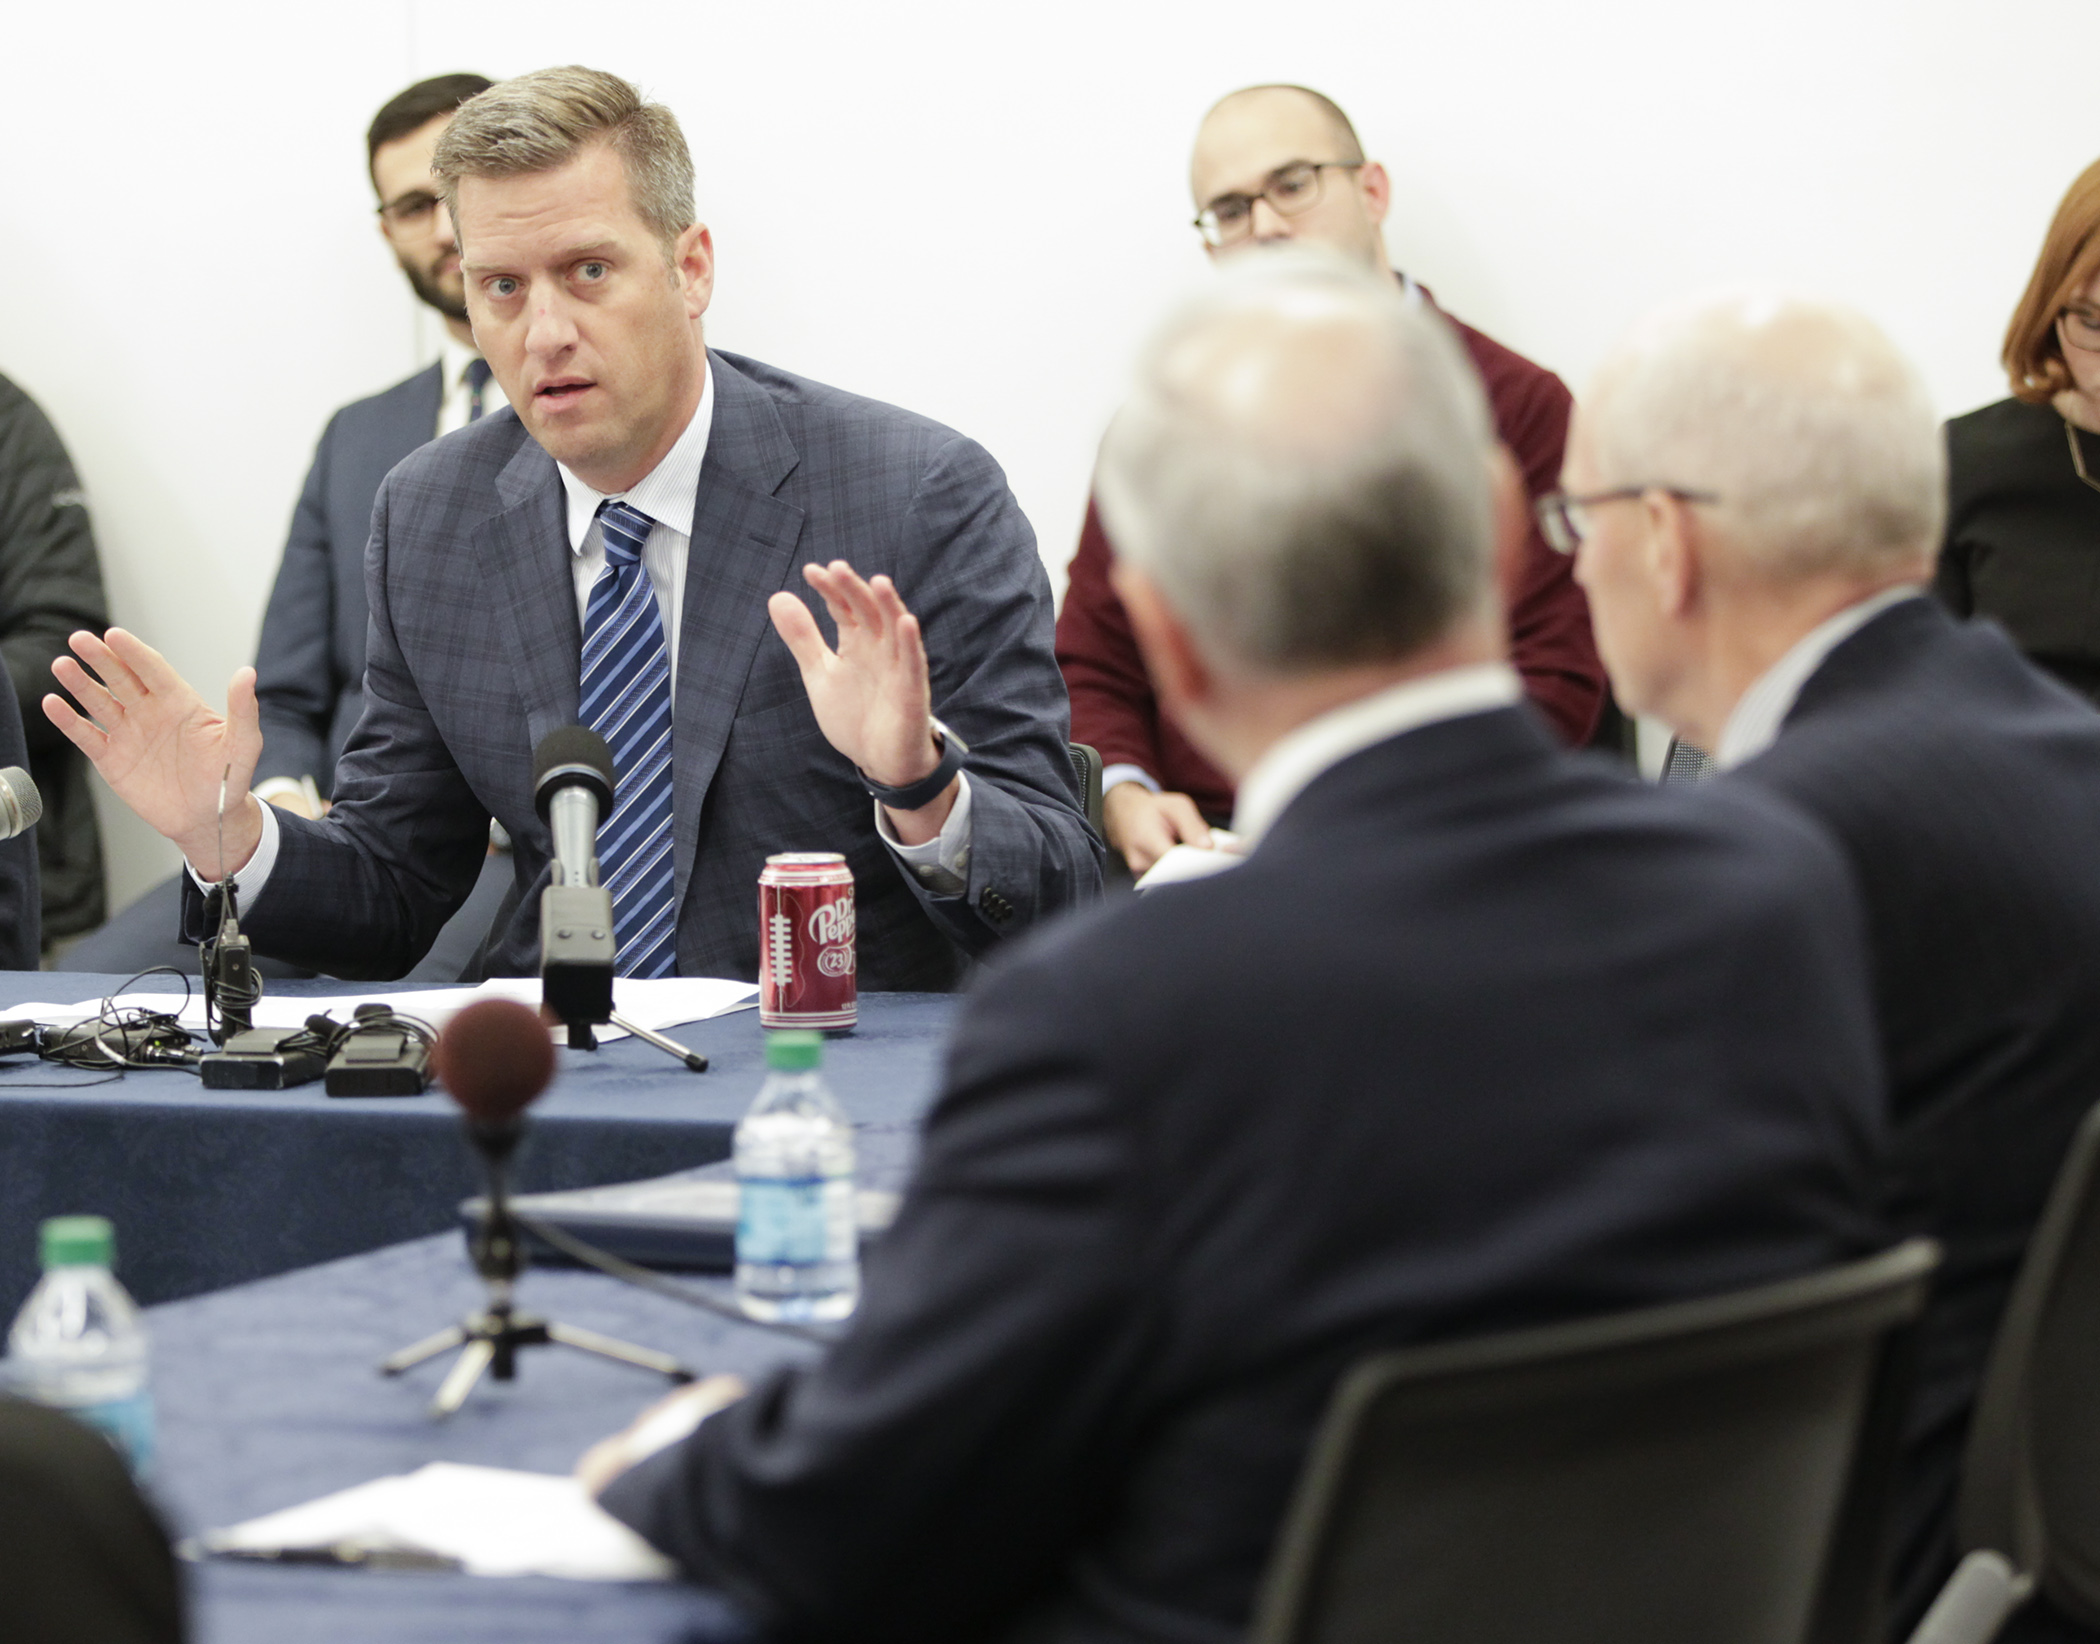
942,864
248,881
1129,773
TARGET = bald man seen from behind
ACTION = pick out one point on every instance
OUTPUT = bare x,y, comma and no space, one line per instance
1373,1086
1757,486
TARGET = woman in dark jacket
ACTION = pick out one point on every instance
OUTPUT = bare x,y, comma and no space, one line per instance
2023,518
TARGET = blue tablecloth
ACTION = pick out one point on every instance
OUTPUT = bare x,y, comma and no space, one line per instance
268,1397
210,1188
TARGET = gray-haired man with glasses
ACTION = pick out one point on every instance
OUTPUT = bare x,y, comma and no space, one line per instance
1277,165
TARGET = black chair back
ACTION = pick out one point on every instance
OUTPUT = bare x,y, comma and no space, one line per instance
1710,1472
2031,1474
1086,766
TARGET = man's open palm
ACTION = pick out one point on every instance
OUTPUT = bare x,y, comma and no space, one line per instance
872,697
160,746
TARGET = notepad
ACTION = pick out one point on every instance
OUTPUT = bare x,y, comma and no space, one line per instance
491,1520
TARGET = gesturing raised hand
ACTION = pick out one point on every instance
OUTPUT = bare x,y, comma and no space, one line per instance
161,747
872,697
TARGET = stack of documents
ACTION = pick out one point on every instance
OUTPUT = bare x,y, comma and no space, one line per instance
487,1521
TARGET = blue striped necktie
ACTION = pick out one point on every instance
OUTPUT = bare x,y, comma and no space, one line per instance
626,699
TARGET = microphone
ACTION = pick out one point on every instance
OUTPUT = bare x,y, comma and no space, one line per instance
495,1057
573,790
20,803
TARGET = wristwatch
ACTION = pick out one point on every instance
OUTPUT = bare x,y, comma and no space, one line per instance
929,787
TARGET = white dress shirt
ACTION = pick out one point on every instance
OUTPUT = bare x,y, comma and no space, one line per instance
670,491
455,398
1754,724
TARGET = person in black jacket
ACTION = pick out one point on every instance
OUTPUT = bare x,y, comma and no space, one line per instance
2022,543
50,584
1477,1037
84,1559
1758,485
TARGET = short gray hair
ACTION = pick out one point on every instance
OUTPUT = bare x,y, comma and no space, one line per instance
1803,417
1302,468
541,121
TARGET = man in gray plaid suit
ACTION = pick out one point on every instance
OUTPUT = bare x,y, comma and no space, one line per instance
587,277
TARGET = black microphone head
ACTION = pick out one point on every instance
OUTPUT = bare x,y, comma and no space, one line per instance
572,755
495,1057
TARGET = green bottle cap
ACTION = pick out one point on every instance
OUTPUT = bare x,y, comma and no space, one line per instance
794,1050
79,1241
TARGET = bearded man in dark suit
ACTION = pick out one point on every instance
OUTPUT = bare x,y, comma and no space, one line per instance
310,657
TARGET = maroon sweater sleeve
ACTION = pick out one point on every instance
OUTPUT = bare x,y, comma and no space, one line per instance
1113,708
1550,641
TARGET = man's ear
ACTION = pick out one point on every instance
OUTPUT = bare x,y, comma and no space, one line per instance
1675,552
1378,190
1179,673
693,260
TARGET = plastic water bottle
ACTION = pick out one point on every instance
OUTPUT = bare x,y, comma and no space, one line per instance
78,1345
797,1234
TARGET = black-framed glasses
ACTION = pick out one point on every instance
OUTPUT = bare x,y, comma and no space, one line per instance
1292,189
410,209
2080,327
1564,520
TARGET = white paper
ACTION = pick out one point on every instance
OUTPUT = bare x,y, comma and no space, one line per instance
1184,862
655,1002
494,1521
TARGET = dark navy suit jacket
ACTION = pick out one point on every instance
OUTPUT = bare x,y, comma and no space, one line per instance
475,656
1964,785
310,659
1478,1038
21,922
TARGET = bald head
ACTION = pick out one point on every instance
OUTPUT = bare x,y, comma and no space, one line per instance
1302,469
1252,134
1814,431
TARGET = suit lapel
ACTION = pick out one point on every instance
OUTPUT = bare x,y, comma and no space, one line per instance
417,418
743,550
524,559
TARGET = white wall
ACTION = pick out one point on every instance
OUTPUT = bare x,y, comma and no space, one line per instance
971,209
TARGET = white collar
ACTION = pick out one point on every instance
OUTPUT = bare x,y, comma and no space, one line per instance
667,493
1753,724
1292,763
454,357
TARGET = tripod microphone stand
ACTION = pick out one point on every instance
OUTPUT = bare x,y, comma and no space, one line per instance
495,1057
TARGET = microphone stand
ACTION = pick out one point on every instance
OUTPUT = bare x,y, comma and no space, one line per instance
572,789
490,1338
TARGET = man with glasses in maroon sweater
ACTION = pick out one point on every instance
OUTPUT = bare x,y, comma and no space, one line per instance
1272,165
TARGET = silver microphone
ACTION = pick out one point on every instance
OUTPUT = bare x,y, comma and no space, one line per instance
20,803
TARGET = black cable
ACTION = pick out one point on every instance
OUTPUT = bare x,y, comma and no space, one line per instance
146,1039
643,1278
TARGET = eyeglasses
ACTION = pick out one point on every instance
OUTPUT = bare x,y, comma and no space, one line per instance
1564,520
1293,190
410,209
2080,327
